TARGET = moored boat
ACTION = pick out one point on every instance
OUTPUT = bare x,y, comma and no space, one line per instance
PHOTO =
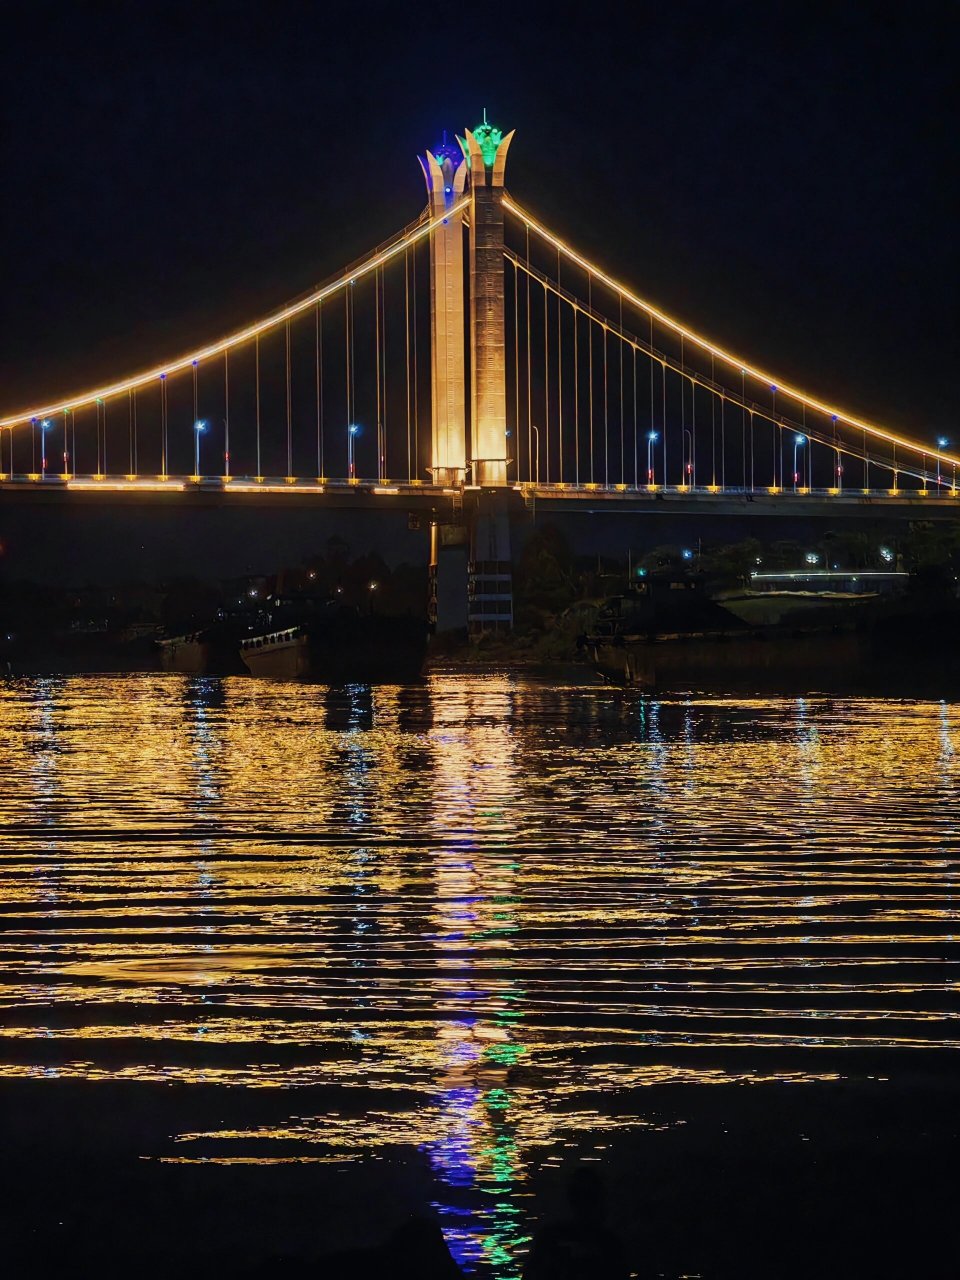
340,647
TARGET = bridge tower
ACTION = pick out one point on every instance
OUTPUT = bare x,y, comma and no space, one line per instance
446,174
485,149
490,571
445,171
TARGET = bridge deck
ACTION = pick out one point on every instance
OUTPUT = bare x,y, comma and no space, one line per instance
420,496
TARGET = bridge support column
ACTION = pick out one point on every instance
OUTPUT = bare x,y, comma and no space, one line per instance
491,565
449,555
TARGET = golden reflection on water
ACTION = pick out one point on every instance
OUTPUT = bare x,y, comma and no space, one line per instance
481,910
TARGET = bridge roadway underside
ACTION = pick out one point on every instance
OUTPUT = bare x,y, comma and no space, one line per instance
451,506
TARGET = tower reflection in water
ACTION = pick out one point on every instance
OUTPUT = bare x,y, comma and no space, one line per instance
478,1010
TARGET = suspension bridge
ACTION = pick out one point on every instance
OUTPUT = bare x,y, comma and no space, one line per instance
473,362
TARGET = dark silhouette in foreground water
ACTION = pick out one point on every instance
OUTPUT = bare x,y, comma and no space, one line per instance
415,1250
580,1245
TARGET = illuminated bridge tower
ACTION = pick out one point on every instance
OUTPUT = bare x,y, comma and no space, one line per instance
486,152
446,175
490,578
445,172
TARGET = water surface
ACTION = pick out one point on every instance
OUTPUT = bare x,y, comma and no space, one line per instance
474,930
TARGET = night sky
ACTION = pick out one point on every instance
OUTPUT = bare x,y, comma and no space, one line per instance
776,175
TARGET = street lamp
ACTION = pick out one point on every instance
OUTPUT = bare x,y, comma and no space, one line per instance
797,442
652,438
352,432
44,428
536,436
942,443
688,468
198,429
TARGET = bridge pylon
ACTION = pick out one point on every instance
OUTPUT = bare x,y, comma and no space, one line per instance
445,172
485,149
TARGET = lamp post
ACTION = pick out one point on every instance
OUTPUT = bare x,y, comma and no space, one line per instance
652,437
352,432
688,466
536,436
44,428
198,429
797,442
942,443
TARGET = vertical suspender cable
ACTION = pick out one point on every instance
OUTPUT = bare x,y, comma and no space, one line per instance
376,325
559,378
406,287
163,423
590,363
383,340
257,378
416,383
685,465
226,412
319,396
576,396
606,419
636,470
620,363
130,428
713,426
693,434
529,373
516,360
743,426
289,405
663,384
546,391
347,346
196,413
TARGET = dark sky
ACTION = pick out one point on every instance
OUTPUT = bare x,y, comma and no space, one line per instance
777,175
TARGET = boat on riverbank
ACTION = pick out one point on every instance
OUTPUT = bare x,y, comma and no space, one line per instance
213,650
341,646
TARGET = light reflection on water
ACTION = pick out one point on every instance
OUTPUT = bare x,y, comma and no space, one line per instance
478,909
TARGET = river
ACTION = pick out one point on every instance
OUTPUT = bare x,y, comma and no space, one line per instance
427,948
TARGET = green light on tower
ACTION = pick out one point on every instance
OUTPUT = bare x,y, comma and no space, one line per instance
489,138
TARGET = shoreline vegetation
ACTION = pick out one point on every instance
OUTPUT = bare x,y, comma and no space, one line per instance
558,596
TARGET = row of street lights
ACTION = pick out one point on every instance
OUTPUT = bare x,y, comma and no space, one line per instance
199,427
353,430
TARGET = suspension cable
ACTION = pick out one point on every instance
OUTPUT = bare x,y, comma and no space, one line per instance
793,393
410,235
